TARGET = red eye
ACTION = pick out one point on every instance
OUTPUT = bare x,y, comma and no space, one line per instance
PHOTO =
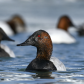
38,35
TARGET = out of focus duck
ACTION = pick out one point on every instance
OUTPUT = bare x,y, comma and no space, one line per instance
81,30
4,50
65,22
13,26
61,34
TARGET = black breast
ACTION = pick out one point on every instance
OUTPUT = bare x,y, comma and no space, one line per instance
3,53
38,64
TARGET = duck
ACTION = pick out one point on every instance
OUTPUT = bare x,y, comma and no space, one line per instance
14,25
60,34
43,61
65,23
80,30
5,51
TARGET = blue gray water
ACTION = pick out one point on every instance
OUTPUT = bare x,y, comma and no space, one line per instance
41,14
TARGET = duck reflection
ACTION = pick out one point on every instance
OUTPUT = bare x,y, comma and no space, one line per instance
43,75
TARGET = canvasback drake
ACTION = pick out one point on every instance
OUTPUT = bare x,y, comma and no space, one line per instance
13,26
43,61
61,34
4,50
65,22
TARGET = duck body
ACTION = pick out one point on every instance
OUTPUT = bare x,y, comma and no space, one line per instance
13,26
59,65
38,64
6,28
61,36
6,51
42,41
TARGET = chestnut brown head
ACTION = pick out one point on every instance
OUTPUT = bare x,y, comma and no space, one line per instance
42,41
64,23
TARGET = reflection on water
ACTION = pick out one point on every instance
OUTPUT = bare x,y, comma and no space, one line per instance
43,75
39,77
24,76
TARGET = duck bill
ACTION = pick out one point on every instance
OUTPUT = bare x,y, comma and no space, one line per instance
72,25
7,38
10,39
4,35
25,43
29,41
22,44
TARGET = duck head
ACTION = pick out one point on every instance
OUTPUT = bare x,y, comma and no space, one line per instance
64,23
42,41
17,24
3,36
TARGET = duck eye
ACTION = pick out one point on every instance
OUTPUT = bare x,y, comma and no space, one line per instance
38,35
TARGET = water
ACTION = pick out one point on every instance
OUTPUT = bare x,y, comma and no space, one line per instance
43,14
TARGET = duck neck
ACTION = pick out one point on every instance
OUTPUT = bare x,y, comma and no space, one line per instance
44,53
63,27
62,24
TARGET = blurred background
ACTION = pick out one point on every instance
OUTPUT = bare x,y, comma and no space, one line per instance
42,13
